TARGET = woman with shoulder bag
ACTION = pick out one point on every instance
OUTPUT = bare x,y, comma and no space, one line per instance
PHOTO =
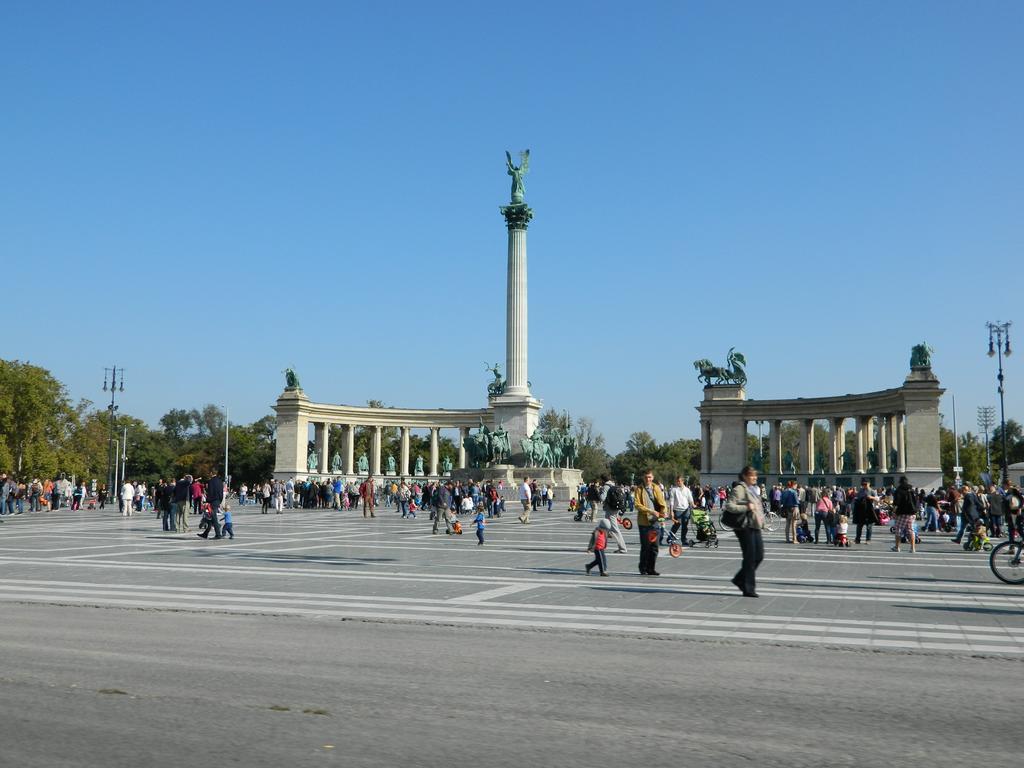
746,508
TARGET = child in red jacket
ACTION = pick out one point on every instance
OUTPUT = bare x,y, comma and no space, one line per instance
598,544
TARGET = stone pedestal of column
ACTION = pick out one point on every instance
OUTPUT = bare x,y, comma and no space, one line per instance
519,416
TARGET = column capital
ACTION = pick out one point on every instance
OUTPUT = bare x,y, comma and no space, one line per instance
517,215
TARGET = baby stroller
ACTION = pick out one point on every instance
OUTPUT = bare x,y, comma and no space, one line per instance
705,528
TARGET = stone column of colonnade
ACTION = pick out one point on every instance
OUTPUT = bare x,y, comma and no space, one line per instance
433,450
835,445
807,446
463,434
403,462
375,447
883,444
775,446
901,439
348,439
320,442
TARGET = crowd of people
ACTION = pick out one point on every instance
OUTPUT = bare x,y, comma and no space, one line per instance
810,514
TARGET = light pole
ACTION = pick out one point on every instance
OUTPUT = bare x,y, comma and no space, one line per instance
114,382
227,437
997,332
956,448
986,420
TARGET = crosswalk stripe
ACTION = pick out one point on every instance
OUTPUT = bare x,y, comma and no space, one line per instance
560,617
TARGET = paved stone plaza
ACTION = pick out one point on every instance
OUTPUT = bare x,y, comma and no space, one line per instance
375,622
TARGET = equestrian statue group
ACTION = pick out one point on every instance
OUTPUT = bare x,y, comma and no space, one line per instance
733,373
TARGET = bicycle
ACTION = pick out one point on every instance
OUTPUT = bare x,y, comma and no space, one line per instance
771,522
1005,562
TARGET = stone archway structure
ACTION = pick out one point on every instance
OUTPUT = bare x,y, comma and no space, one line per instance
905,419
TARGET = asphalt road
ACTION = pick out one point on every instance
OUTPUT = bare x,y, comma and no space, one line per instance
315,638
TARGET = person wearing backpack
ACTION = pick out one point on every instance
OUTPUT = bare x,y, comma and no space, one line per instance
613,501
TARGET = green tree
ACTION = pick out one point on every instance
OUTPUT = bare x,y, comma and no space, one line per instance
1014,444
36,420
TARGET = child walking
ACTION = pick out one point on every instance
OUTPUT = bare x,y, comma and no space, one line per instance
598,544
228,528
479,520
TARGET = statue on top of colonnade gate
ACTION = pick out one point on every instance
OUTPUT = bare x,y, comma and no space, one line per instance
921,356
291,379
732,374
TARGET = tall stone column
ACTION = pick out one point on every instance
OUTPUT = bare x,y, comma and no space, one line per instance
883,444
463,434
515,409
517,218
375,445
349,440
403,464
434,451
325,458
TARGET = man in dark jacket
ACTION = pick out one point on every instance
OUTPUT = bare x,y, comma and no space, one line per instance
904,514
214,497
865,514
970,511
179,504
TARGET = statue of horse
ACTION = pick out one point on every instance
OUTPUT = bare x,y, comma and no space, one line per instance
732,374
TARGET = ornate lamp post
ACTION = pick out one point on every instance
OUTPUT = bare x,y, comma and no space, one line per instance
999,344
116,377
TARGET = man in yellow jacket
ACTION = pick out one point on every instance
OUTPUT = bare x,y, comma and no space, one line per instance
650,512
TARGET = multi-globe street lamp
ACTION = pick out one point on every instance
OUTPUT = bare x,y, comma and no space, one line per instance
999,344
116,384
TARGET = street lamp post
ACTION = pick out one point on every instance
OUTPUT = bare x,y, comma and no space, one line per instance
116,376
999,344
227,437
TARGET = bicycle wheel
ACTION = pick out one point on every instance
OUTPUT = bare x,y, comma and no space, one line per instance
1005,562
771,521
721,524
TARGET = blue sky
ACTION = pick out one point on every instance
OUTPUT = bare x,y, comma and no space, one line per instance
206,193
